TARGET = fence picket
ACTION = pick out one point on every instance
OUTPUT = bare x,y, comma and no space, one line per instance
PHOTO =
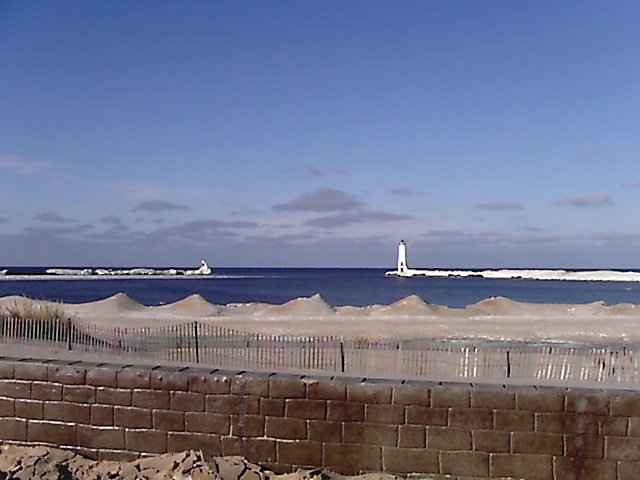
216,345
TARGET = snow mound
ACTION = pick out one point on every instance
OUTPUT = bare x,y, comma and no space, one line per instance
314,306
116,304
497,306
194,305
412,305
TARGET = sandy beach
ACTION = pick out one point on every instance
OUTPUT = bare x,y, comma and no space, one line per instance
495,318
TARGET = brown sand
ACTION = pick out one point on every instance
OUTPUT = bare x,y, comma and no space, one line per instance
25,462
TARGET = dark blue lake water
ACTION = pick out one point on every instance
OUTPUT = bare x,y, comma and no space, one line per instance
353,286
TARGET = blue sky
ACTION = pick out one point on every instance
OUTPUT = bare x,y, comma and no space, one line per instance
486,134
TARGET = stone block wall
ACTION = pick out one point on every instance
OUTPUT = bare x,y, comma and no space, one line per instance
347,425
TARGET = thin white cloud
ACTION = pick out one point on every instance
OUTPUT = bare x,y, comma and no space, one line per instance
499,205
349,218
320,200
111,220
305,171
158,206
20,165
403,191
52,217
595,199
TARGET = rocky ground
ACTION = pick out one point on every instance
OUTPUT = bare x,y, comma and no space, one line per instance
38,462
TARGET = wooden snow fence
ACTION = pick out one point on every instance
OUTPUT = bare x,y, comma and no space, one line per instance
211,345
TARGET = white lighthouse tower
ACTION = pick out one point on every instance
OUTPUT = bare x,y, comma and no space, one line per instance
403,269
402,258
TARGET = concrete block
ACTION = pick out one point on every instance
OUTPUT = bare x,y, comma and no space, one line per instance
587,403
470,418
102,415
411,395
79,394
102,377
386,414
541,401
204,422
287,387
169,381
187,401
369,393
627,470
625,405
7,407
147,441
286,428
30,409
132,377
470,464
167,420
567,468
15,389
493,399
272,407
613,426
309,409
258,450
349,458
250,385
514,420
66,374
68,412
325,431
491,441
409,460
6,369
208,443
370,434
46,391
209,384
13,429
154,399
247,425
412,436
233,404
57,433
531,467
31,371
567,423
417,415
113,396
132,417
100,437
537,443
450,397
338,411
302,454
327,390
446,438
584,446
622,448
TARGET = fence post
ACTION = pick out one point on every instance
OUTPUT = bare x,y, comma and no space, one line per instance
195,331
341,355
508,364
69,326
